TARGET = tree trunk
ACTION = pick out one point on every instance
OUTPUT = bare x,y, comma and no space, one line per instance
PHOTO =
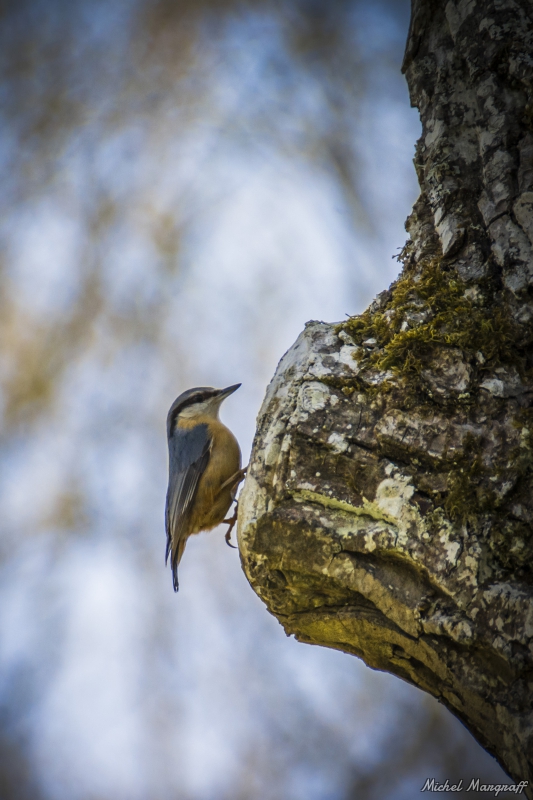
388,507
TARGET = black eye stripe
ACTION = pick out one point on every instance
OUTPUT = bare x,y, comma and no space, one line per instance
190,401
198,398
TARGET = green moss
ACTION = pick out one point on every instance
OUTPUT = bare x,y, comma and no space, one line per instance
368,509
430,309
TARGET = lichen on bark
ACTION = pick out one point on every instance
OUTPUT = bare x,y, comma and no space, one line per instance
388,508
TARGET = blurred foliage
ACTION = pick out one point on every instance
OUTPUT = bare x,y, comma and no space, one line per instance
79,73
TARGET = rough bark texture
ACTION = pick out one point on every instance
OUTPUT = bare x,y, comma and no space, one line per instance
388,508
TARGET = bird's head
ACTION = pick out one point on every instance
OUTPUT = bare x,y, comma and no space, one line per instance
201,401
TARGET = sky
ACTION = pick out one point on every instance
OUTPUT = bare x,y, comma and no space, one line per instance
184,185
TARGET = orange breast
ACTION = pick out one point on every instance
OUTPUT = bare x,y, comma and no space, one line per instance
211,504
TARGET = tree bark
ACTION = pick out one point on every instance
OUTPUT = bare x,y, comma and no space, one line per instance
388,506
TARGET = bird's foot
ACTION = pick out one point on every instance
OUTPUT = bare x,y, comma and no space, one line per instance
235,479
231,522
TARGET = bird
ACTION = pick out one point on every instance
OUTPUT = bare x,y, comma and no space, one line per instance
204,469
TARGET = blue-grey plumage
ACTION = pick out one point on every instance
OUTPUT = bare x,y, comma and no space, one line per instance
204,458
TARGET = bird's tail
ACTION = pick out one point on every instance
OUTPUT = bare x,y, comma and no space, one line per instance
175,581
177,553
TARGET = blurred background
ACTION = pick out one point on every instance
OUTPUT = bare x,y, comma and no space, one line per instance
184,183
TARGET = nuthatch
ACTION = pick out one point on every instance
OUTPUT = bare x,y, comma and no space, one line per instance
204,469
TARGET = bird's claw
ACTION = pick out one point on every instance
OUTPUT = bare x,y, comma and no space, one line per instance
231,522
227,538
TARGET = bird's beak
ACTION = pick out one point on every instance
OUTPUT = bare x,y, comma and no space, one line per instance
226,392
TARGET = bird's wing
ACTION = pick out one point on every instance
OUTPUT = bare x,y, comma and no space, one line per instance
189,451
